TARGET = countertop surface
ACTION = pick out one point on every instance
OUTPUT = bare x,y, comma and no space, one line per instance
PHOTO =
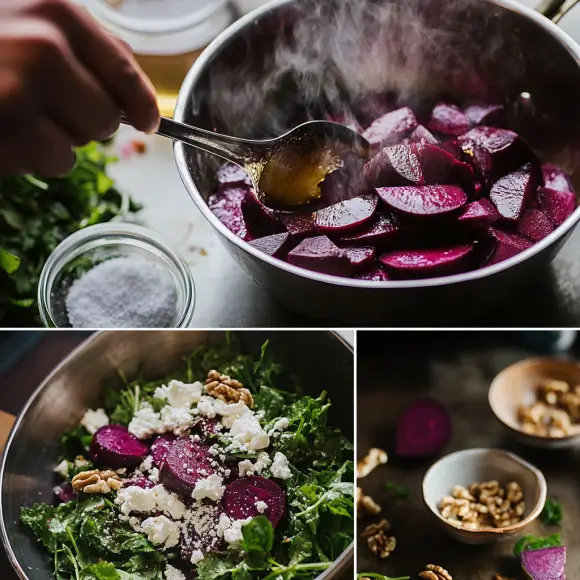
455,368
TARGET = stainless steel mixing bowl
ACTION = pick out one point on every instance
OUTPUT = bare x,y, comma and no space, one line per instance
294,53
59,403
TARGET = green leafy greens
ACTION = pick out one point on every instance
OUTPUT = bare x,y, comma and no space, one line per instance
36,214
552,513
530,542
88,541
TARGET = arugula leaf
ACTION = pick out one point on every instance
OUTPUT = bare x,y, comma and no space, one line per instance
531,542
75,442
258,541
552,513
400,491
100,571
8,262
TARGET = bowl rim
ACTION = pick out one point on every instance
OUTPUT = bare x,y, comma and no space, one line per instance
534,513
495,386
339,564
182,106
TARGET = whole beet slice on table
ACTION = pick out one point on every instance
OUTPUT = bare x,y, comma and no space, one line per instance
114,447
346,215
423,201
428,262
321,255
544,564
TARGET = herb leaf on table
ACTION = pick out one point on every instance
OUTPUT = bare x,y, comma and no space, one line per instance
531,542
552,513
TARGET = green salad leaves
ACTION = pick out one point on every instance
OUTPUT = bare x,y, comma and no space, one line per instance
36,214
87,541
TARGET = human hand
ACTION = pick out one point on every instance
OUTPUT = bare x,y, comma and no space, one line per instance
64,81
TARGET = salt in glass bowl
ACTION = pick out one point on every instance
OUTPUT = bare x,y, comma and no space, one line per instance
93,245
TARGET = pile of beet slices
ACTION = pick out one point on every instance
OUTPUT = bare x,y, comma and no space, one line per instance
454,193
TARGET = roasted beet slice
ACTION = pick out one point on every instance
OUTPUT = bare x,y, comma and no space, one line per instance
391,127
227,207
242,499
397,165
200,532
511,193
260,220
321,255
425,200
534,225
555,178
207,427
558,205
544,564
423,135
374,274
230,174
440,167
426,263
160,448
345,182
481,114
478,214
383,227
185,464
299,224
448,119
64,492
507,245
423,430
113,446
346,215
138,481
360,257
276,245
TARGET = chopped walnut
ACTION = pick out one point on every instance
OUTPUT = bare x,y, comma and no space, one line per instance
382,525
373,459
382,545
571,404
227,389
484,505
434,572
366,504
96,481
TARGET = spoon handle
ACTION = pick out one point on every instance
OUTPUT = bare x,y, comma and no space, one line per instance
239,151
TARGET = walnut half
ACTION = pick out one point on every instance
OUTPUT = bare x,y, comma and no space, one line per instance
434,572
227,389
372,460
96,481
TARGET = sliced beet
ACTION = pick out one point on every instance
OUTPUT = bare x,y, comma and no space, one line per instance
423,430
113,446
544,564
482,114
345,182
200,532
374,274
260,220
321,255
230,174
242,495
299,224
185,464
391,127
423,135
64,492
425,200
383,227
511,193
276,245
427,263
478,214
558,205
555,178
347,119
507,245
138,481
346,215
226,205
207,427
397,165
360,257
448,119
160,448
534,225
440,167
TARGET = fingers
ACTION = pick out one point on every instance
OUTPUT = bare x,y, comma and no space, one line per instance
110,61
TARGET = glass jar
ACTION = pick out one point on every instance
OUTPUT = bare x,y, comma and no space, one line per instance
93,245
166,36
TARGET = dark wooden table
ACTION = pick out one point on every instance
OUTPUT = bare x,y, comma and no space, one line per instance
456,368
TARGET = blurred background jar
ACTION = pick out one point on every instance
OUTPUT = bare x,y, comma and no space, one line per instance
166,35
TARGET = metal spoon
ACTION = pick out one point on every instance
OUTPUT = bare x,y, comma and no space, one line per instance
286,171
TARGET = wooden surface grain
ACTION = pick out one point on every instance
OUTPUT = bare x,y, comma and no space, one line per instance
455,368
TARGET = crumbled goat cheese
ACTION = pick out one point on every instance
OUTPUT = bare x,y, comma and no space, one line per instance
161,530
94,420
180,395
154,475
80,461
121,471
211,487
280,467
172,573
247,431
146,465
261,506
280,425
135,523
155,499
231,530
145,423
176,419
197,557
62,469
246,467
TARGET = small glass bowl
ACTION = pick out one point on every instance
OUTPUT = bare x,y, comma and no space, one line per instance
94,244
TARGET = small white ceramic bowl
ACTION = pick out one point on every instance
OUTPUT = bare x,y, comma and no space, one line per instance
470,465
516,385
